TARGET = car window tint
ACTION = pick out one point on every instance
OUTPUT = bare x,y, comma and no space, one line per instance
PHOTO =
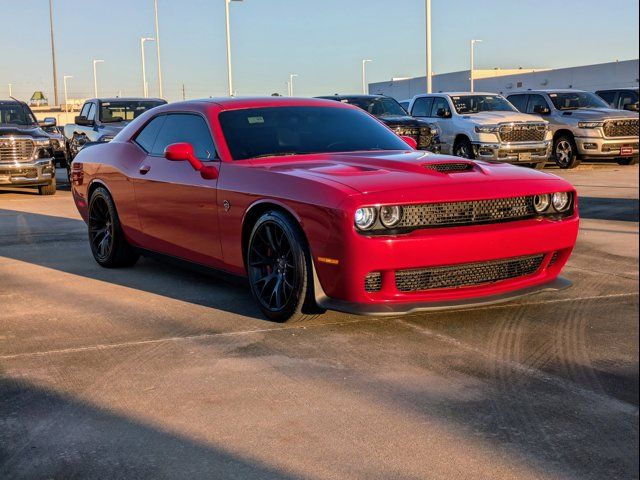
518,101
85,110
608,97
92,112
534,101
147,136
422,107
187,128
438,103
627,98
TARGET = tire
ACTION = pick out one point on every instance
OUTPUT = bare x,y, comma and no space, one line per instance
565,152
108,243
280,270
463,149
48,189
627,161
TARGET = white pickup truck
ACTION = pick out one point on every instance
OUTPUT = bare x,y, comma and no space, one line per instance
485,126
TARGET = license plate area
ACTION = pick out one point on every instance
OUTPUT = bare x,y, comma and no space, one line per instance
524,157
626,151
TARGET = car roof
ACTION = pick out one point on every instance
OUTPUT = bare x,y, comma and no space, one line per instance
458,94
356,95
127,99
10,102
237,103
551,90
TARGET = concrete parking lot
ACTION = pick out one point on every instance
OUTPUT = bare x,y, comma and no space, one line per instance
155,372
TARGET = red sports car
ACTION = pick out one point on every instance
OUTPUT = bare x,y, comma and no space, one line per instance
322,207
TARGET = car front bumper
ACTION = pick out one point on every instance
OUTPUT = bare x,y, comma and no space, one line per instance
37,172
533,152
601,148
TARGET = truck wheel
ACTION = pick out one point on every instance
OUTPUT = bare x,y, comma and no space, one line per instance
565,152
464,149
628,161
48,189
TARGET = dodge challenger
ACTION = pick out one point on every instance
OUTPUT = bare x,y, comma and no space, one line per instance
319,206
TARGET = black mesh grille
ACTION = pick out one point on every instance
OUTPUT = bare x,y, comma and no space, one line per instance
373,282
422,135
467,274
450,167
554,259
621,128
525,132
467,213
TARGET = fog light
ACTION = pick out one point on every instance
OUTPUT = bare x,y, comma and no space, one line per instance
561,201
589,146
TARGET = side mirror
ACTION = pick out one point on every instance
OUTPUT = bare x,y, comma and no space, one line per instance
541,110
184,152
83,121
443,113
48,122
410,141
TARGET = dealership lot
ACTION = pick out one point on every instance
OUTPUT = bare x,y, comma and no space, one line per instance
156,372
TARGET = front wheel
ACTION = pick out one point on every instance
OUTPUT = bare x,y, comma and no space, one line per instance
464,149
565,152
49,189
280,271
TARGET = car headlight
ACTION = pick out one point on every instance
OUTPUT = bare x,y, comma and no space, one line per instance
541,202
590,124
365,218
561,201
107,138
390,216
487,128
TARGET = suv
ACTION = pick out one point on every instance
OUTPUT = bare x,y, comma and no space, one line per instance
621,98
391,113
26,156
583,125
485,126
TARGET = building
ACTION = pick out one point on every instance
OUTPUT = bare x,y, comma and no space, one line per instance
590,77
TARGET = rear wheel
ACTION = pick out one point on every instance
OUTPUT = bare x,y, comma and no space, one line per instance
108,244
565,152
280,271
628,161
48,189
464,149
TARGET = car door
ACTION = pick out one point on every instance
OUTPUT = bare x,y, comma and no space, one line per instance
176,206
445,124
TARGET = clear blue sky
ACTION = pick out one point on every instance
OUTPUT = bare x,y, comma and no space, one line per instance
323,41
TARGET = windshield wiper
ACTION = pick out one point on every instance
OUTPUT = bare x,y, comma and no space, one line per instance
278,154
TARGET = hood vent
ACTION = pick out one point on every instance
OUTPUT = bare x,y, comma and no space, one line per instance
450,167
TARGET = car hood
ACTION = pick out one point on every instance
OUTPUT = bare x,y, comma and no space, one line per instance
401,121
598,114
491,118
375,172
28,131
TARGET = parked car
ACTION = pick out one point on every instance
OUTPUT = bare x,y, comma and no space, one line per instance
405,104
321,207
583,126
26,156
58,140
485,126
389,112
621,99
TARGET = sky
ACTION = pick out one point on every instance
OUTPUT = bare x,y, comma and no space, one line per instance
323,41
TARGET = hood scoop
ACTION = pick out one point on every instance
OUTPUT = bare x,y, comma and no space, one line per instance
450,167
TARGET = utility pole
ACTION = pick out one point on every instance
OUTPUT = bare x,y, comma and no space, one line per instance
95,77
10,91
291,77
229,64
155,7
66,98
428,32
184,95
53,56
145,89
473,44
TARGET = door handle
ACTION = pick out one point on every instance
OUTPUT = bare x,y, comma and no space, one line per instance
144,169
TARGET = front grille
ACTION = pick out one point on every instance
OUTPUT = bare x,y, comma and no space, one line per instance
23,172
373,282
621,128
422,135
450,167
16,150
466,275
467,213
523,132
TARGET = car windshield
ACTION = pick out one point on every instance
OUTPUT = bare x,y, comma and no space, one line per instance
125,111
576,100
279,131
379,106
16,114
466,104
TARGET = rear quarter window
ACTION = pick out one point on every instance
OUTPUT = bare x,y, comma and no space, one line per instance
147,136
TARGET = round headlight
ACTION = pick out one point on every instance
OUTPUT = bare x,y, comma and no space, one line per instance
390,216
561,201
541,202
365,218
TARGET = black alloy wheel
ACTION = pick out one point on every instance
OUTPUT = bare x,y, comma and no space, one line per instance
565,152
464,149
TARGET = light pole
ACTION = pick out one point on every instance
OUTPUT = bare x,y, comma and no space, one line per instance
429,69
229,66
145,90
155,9
53,56
10,90
364,76
66,99
473,44
291,77
95,77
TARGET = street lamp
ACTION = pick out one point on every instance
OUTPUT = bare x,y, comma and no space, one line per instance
291,77
66,99
145,89
229,67
364,76
10,90
155,9
473,44
53,56
95,77
428,32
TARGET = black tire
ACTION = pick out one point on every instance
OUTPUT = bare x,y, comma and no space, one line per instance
464,149
565,152
280,270
627,161
48,189
108,243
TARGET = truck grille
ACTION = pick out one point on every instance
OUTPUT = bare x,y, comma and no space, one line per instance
466,275
467,213
523,132
16,150
422,135
621,128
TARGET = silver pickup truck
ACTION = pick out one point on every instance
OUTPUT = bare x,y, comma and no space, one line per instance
584,127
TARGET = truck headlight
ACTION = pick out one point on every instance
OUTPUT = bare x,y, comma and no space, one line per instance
365,218
590,124
487,128
390,216
541,202
561,201
107,138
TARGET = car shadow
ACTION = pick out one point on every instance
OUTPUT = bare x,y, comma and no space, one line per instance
619,209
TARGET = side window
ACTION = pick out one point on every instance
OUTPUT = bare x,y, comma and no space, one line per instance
535,101
608,97
438,103
185,128
92,112
85,109
147,136
627,98
422,107
518,101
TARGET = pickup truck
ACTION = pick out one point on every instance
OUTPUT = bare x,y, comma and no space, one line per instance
485,126
101,119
